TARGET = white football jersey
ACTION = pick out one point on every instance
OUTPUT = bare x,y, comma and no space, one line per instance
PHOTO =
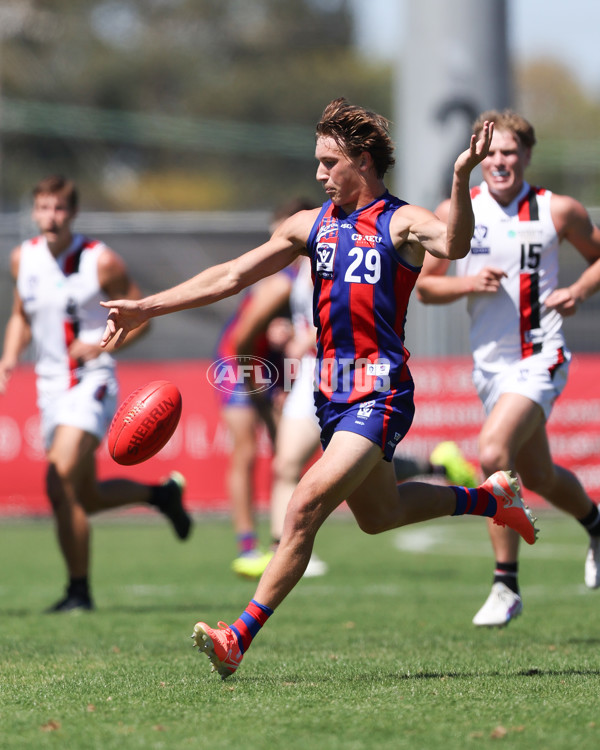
521,240
301,298
61,298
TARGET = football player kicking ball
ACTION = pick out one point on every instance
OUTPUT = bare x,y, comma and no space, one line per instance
366,248
59,279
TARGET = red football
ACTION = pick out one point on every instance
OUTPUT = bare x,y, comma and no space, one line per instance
144,422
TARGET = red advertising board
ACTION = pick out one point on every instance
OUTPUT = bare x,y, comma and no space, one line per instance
447,409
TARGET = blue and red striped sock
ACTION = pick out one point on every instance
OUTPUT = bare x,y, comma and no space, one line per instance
474,502
250,622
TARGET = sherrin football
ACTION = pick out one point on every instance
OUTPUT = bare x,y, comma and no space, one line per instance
144,422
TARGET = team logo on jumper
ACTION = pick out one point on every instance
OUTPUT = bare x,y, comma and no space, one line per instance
327,237
328,229
365,410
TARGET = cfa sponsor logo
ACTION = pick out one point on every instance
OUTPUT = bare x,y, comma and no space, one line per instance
370,238
254,374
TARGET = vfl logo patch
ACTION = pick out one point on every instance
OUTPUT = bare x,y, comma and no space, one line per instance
327,238
479,236
325,256
480,232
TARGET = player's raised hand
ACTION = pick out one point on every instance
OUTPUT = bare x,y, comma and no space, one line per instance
124,315
477,151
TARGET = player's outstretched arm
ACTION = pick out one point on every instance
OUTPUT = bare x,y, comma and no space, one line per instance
125,315
213,284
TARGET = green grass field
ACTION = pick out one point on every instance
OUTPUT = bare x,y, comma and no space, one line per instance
380,653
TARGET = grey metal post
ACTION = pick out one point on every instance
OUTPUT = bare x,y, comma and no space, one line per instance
453,65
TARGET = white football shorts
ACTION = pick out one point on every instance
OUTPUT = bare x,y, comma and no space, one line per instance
90,405
541,378
300,401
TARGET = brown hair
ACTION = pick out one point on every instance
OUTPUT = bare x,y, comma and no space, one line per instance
508,120
58,185
355,130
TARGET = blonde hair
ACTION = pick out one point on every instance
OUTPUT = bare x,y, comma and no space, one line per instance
508,120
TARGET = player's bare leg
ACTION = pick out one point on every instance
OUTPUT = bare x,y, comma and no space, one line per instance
514,436
70,458
351,468
91,496
242,422
347,462
297,440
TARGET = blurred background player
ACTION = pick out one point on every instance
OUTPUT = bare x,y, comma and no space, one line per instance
510,279
260,327
60,278
297,434
446,462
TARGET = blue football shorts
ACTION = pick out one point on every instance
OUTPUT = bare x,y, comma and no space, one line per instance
383,418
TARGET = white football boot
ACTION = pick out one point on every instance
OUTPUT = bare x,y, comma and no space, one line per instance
501,606
592,564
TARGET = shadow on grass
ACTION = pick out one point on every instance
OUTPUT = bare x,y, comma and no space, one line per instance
496,673
584,641
291,680
135,609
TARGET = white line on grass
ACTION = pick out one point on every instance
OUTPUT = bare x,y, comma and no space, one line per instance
443,540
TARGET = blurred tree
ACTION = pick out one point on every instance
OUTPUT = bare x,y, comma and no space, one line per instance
567,155
211,104
255,62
